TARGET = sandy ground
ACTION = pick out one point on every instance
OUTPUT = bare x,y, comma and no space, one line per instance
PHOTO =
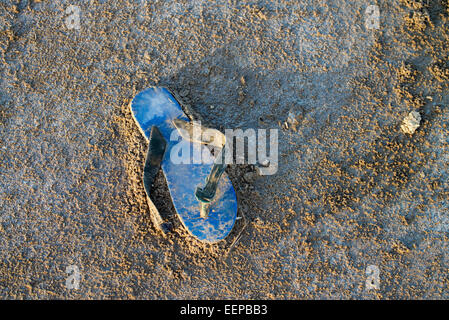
353,193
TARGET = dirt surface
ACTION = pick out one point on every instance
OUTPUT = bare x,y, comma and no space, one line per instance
353,193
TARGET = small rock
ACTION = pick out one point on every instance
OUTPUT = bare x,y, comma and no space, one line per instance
411,122
250,176
260,170
264,163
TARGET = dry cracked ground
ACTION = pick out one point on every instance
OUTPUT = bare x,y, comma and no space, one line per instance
357,210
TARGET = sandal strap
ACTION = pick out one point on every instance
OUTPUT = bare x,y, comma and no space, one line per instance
194,132
207,193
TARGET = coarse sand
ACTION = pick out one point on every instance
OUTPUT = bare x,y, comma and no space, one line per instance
353,192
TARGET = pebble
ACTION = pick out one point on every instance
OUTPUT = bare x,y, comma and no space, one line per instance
264,163
250,176
411,122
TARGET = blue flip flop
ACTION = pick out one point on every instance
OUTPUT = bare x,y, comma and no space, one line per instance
202,194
